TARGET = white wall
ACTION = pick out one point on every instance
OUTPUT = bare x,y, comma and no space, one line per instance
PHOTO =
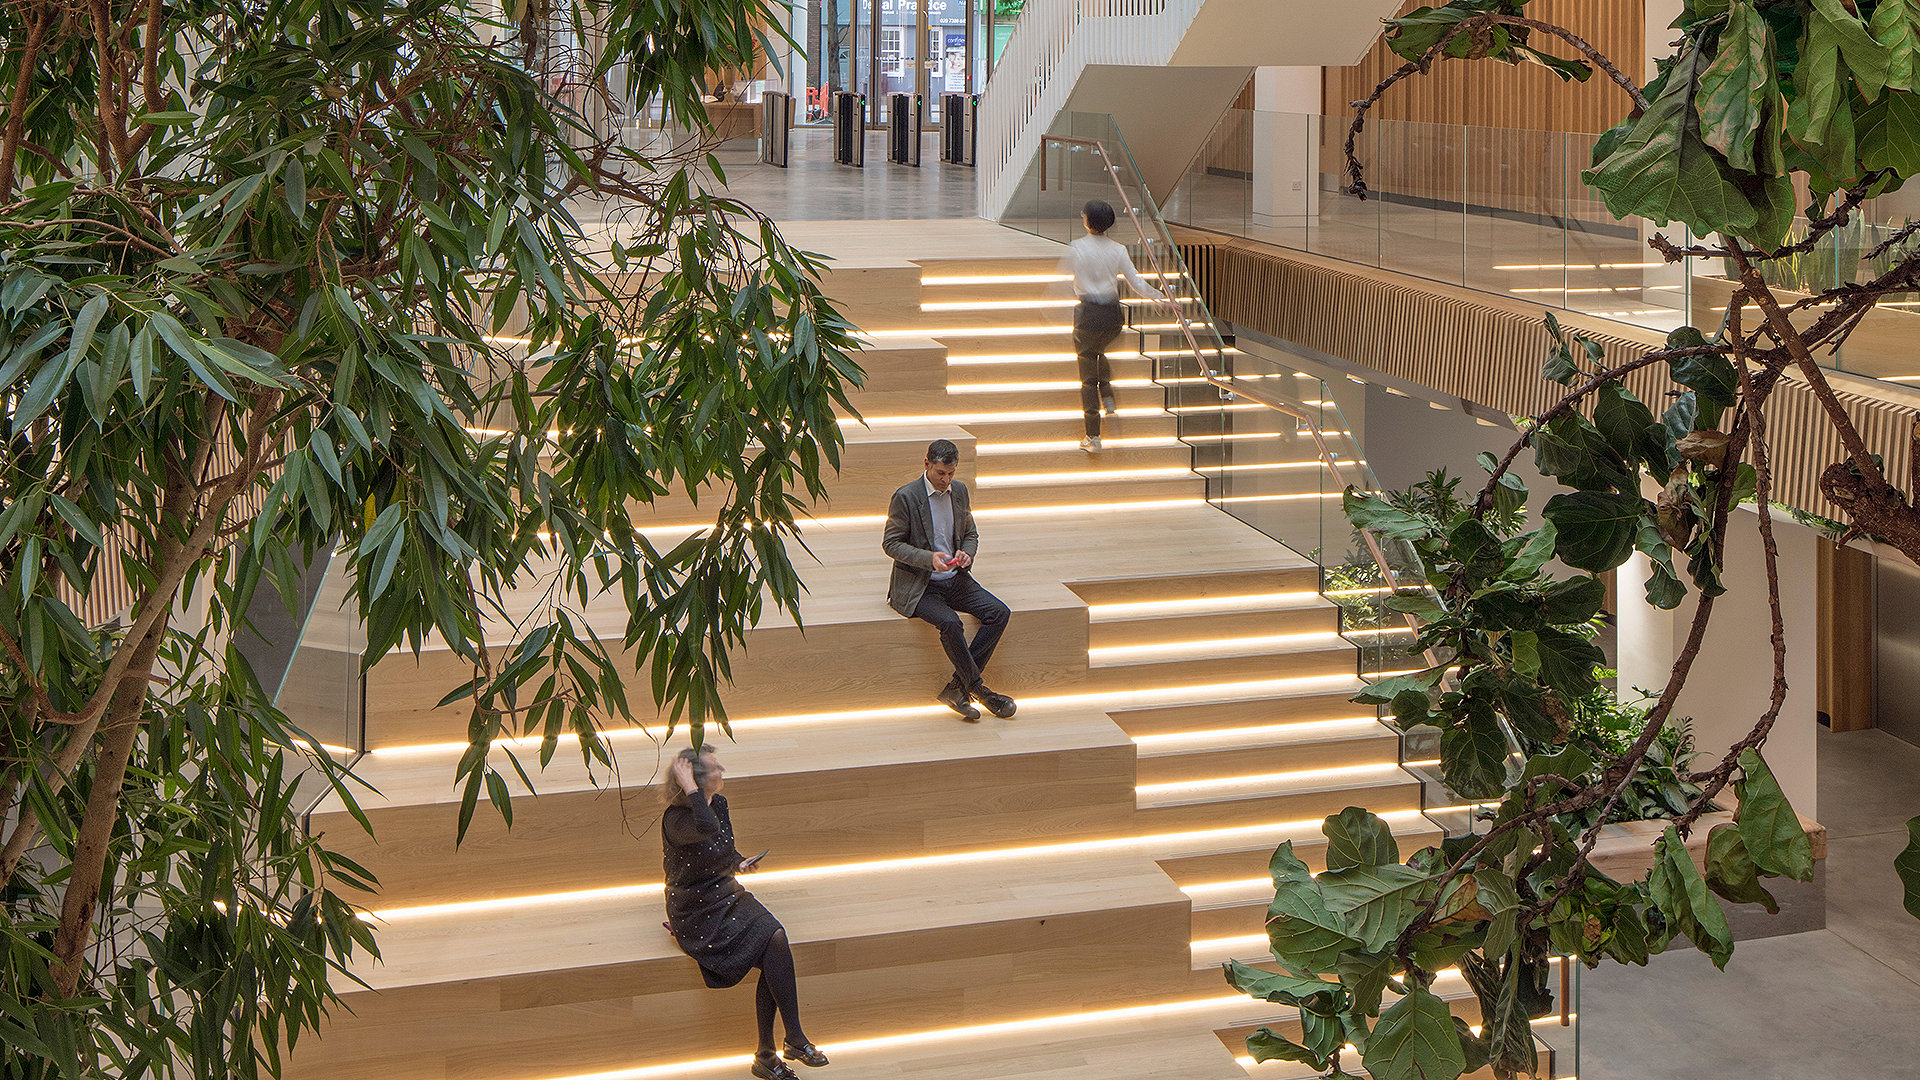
1732,679
1286,143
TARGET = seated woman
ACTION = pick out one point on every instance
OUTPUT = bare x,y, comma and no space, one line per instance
719,923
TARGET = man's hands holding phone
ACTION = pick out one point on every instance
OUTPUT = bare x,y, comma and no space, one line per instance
753,863
959,560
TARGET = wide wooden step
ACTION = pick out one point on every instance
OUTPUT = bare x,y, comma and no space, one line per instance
818,795
599,984
1324,708
1141,630
1266,750
1234,801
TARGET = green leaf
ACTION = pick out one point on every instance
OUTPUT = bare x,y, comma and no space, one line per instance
1415,1040
1355,837
1629,427
1376,902
1867,59
1268,1045
1820,118
1594,530
1365,976
1473,758
1567,661
1376,514
1738,91
1771,829
1888,132
1303,933
1279,987
1677,889
1730,870
1573,601
1662,169
1907,866
1710,375
1896,25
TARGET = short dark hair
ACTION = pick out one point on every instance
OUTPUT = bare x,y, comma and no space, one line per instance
943,452
1099,215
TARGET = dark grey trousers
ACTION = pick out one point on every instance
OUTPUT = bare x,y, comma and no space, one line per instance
1095,326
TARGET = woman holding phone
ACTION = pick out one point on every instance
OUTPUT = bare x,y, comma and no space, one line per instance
716,921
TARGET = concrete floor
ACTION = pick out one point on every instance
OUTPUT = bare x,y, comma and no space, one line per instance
1838,1002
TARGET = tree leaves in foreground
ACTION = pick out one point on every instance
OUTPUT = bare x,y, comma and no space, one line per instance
283,280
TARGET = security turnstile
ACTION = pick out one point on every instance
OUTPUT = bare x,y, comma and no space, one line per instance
904,121
776,127
849,131
959,134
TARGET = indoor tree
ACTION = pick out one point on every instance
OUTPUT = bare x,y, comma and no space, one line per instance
1758,94
285,277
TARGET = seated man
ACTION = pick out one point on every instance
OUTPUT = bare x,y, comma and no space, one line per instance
931,539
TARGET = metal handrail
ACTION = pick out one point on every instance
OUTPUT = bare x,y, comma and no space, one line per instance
1224,382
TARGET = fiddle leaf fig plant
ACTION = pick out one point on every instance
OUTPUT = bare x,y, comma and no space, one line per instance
1757,96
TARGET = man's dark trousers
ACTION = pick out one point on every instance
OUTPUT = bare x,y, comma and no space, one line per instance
942,606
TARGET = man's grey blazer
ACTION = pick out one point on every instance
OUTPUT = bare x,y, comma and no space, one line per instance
908,540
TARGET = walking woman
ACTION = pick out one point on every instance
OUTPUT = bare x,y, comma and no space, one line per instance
718,922
1098,263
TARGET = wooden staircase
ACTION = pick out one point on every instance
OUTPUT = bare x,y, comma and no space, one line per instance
1047,896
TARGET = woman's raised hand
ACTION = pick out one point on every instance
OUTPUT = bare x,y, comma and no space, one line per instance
682,773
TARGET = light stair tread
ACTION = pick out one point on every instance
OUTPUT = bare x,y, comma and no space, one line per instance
425,776
1230,790
625,927
1277,736
1287,644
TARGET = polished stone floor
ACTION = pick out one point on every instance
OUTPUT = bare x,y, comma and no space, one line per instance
1838,1002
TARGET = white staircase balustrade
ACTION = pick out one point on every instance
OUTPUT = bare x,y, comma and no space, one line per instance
1165,70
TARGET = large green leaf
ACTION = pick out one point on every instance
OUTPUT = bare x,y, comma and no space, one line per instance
1730,870
1304,934
1889,133
1662,169
1567,661
1895,24
1267,1044
1365,976
1907,866
1820,118
1376,902
1677,889
1415,1040
1278,987
1630,428
1738,92
1594,530
1867,59
1355,837
1772,831
1473,757
1376,514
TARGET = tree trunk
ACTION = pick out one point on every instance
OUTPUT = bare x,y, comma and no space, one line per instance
118,735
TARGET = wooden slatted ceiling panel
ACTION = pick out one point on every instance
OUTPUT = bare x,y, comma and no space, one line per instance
1496,95
1491,354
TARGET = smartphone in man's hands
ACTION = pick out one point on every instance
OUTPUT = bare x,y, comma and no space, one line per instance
753,863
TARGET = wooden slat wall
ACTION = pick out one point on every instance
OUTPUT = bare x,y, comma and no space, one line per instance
1473,346
1413,146
1496,95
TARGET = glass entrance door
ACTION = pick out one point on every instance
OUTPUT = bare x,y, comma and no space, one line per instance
885,47
838,55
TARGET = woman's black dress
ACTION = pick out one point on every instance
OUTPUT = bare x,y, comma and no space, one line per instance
715,919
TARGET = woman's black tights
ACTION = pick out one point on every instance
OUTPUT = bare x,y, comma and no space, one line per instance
779,988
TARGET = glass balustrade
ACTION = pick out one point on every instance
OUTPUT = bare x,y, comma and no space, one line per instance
1504,211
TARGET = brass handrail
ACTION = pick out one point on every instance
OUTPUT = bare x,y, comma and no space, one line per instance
1220,380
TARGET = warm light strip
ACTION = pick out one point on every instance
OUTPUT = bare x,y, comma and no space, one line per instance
1266,779
1052,446
1110,699
1028,305
918,1039
1157,648
1197,739
957,858
1009,416
1556,288
1200,604
993,331
975,359
1158,472
994,279
1036,387
1581,266
1269,498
